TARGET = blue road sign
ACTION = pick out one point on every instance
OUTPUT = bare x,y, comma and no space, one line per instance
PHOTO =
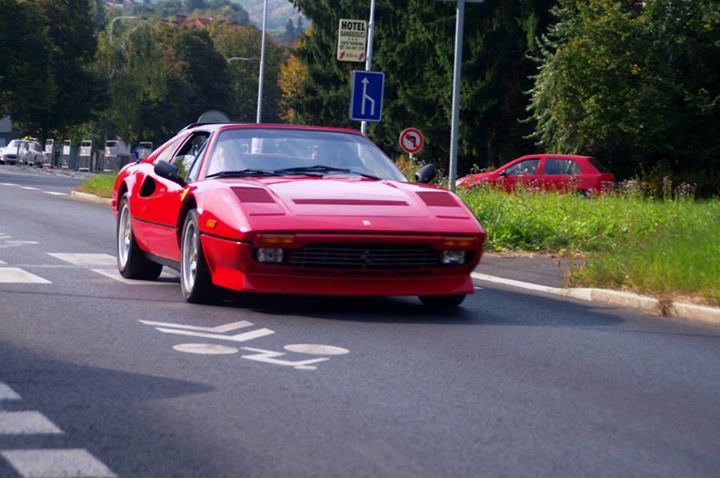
366,96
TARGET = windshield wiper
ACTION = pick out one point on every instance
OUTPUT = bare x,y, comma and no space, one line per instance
243,173
320,168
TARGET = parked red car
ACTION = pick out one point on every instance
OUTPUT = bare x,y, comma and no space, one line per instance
552,172
291,210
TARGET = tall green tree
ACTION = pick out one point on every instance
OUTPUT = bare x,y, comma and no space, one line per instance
77,92
26,86
234,41
414,48
635,83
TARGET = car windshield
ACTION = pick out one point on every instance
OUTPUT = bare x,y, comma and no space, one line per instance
293,152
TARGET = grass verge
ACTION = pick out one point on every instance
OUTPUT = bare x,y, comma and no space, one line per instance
667,248
98,184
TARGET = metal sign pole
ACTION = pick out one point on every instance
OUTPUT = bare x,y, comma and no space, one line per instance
457,73
261,74
368,56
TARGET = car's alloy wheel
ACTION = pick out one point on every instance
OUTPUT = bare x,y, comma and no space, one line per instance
195,280
131,260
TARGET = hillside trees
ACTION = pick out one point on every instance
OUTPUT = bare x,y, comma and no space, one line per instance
48,47
25,83
636,84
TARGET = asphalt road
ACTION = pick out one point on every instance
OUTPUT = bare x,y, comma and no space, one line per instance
512,384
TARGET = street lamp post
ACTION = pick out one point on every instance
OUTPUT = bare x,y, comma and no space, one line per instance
262,64
112,24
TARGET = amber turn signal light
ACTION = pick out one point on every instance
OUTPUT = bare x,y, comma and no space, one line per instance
276,239
459,243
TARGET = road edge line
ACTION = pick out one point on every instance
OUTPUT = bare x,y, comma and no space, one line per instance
630,300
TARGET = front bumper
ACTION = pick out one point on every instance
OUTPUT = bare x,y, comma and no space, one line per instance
232,266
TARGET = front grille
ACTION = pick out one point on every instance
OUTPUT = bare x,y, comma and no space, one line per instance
364,256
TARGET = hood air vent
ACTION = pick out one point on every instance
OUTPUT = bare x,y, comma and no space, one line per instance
438,199
253,195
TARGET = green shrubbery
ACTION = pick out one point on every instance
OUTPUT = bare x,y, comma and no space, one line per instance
666,246
98,184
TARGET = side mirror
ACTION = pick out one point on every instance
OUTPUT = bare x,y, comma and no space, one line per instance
169,172
426,174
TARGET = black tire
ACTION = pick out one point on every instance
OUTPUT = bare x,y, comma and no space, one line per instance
196,285
131,260
442,301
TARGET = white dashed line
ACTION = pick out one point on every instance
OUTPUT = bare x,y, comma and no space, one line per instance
54,193
115,275
30,188
56,463
8,184
98,260
3,263
7,393
26,423
14,275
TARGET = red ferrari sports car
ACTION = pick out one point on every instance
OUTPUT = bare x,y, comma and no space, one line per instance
291,210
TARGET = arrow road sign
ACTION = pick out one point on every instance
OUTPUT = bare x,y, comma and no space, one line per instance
366,96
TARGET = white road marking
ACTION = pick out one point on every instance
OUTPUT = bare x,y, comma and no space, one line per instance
14,275
54,193
7,393
269,356
206,349
30,188
3,263
8,184
315,349
26,423
515,283
102,260
252,335
115,275
220,329
56,463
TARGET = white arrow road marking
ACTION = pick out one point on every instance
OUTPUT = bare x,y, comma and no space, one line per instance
7,393
269,356
316,349
26,423
205,349
77,463
220,329
252,335
14,275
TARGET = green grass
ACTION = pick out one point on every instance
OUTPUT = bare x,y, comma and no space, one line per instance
99,184
667,248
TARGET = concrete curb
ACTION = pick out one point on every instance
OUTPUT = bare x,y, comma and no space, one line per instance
89,198
628,300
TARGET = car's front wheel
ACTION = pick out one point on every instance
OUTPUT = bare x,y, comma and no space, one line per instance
442,301
131,260
195,281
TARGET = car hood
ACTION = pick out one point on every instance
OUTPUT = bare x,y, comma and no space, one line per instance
348,204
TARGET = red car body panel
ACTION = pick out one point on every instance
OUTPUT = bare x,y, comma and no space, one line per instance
318,210
587,178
